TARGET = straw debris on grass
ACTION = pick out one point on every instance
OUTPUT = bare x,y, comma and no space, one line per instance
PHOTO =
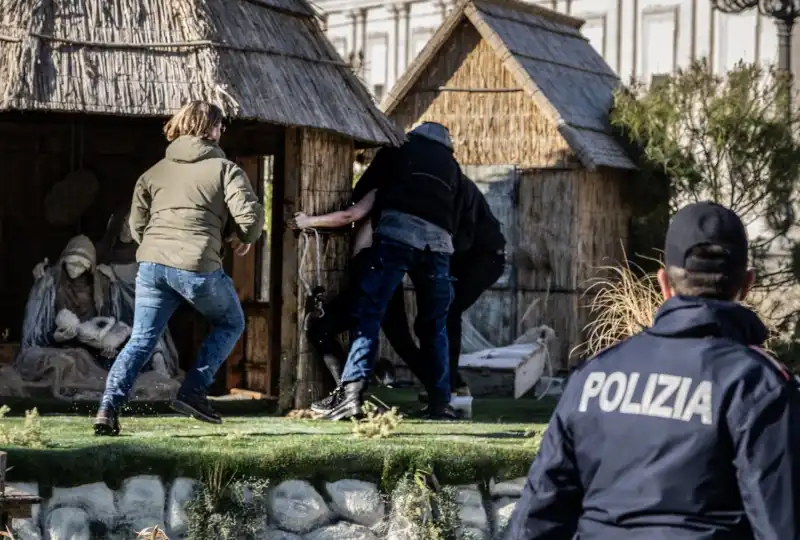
376,424
29,435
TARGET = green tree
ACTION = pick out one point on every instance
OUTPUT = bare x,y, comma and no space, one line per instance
727,139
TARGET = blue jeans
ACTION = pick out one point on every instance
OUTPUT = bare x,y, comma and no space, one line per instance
429,271
160,290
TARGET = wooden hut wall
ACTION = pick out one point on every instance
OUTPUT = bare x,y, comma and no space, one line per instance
571,224
322,184
492,120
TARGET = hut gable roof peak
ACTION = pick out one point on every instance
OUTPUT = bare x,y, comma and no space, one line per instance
262,60
554,63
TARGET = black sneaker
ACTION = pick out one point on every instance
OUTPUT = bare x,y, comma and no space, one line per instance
106,423
446,413
197,407
325,405
348,403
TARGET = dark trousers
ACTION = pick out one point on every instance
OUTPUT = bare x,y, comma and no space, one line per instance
387,263
472,277
375,278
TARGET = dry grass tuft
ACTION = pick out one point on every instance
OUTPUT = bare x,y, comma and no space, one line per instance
623,303
152,533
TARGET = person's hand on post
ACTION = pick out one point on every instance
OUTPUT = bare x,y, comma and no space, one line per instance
240,248
299,221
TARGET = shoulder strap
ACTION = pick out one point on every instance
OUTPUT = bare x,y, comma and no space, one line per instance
781,368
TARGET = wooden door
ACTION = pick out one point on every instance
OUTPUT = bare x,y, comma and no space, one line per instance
250,364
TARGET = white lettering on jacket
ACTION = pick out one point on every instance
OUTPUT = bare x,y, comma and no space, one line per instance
662,396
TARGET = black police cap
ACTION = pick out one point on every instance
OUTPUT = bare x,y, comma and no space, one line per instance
705,223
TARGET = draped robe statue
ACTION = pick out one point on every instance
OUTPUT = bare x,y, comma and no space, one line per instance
78,316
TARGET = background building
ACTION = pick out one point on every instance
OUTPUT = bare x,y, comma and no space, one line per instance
637,38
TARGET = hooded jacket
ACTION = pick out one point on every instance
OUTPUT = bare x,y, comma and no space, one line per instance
684,431
420,178
182,205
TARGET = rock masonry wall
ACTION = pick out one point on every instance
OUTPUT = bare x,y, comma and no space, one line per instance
347,510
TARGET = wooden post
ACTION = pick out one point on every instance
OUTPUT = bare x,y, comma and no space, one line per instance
288,184
3,463
326,186
3,510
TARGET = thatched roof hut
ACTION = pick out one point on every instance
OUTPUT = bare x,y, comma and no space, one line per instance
85,85
262,60
527,99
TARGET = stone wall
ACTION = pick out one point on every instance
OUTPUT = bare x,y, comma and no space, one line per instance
343,510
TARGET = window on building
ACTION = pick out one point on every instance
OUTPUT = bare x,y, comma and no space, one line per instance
736,41
658,79
659,41
595,31
420,38
340,44
377,91
377,61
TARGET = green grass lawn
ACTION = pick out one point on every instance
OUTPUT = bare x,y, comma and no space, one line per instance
493,444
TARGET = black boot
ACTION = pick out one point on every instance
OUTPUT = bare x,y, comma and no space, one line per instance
196,406
349,402
326,404
106,423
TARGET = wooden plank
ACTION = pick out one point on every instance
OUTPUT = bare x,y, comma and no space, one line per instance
247,393
3,463
290,195
243,271
243,274
273,372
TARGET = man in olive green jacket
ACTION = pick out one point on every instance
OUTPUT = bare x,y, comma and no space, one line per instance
181,210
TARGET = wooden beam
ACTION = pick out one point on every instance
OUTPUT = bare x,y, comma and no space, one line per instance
289,298
3,463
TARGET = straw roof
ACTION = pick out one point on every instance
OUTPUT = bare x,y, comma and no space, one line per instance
551,60
263,60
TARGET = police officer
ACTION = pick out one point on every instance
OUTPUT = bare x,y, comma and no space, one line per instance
686,430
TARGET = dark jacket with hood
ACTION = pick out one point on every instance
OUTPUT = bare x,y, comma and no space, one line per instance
479,232
685,431
182,205
420,178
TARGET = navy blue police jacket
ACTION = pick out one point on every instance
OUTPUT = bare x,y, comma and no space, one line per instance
684,431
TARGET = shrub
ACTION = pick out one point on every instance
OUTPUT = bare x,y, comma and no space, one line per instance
227,508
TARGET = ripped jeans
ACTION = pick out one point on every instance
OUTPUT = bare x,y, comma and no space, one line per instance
429,271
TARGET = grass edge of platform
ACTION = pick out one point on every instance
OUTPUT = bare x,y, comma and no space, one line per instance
454,462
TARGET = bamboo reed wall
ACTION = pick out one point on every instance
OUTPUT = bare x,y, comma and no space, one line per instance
326,177
488,127
567,224
573,223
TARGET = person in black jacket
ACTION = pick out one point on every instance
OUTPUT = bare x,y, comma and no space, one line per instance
686,430
416,207
478,262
